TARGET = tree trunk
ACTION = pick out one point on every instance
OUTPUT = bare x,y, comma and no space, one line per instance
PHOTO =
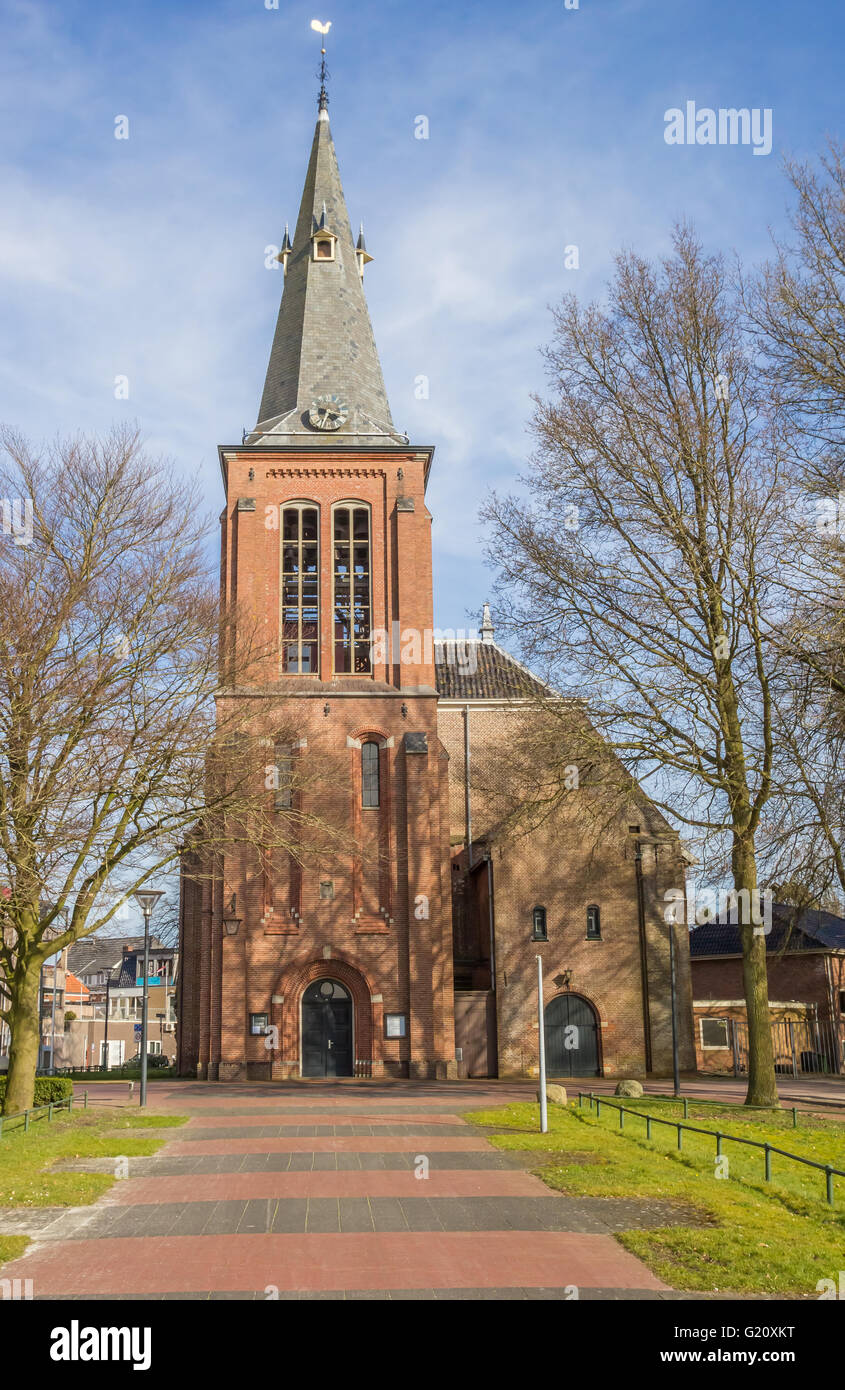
25,1024
762,1083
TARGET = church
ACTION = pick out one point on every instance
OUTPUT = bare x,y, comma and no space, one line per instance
409,949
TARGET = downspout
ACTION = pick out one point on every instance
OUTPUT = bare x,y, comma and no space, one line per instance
467,805
492,921
638,862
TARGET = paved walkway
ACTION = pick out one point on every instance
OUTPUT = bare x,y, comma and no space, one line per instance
365,1191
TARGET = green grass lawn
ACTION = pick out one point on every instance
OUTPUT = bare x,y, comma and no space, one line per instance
26,1158
775,1239
12,1246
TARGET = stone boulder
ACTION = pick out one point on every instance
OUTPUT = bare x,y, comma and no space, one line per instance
632,1089
556,1094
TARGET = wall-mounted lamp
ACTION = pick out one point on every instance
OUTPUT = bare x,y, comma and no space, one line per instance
327,709
562,980
404,711
231,924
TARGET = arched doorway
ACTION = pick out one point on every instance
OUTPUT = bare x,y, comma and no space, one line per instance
327,1030
572,1037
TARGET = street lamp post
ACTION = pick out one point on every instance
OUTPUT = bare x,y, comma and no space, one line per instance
544,1113
676,1076
146,898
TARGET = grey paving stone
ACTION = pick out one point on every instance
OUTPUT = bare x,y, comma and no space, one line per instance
355,1214
289,1215
323,1215
388,1214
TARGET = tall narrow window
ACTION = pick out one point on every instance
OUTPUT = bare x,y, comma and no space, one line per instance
593,923
369,774
300,578
351,589
283,780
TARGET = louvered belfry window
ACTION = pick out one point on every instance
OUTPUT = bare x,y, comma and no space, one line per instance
352,596
300,594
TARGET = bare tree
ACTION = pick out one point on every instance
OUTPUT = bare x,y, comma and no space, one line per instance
796,308
643,559
110,751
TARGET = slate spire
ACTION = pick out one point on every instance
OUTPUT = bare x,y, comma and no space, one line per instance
323,344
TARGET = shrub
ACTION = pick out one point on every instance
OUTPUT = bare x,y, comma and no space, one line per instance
47,1088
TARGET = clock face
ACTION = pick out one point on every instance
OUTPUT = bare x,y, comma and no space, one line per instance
328,413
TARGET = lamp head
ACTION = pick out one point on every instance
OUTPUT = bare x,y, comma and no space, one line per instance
146,898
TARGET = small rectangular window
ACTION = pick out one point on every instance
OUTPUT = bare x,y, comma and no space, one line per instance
715,1032
539,926
593,923
258,1024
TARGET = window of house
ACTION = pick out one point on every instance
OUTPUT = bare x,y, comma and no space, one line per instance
300,598
842,1001
369,774
539,925
283,796
715,1032
593,922
153,1045
258,1023
351,582
324,250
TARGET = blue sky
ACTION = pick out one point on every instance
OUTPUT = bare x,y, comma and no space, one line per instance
145,257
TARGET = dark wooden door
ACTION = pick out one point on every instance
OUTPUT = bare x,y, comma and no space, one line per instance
572,1042
326,1030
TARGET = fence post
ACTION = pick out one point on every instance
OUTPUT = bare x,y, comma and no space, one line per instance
718,1144
69,1103
621,1117
829,1183
49,1111
680,1136
648,1126
795,1117
686,1108
768,1150
85,1101
25,1120
598,1108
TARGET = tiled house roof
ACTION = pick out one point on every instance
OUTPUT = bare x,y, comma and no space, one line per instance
792,930
482,670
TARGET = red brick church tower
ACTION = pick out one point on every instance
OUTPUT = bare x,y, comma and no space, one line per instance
326,541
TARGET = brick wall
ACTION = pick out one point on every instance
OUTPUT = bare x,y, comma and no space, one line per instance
383,927
575,856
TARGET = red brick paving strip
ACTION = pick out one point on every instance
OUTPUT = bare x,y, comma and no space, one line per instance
387,1260
286,1117
332,1144
212,1187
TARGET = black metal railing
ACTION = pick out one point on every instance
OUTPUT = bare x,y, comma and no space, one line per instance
720,1137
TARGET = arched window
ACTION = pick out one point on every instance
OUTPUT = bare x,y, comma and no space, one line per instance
593,923
369,774
351,583
300,595
539,927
